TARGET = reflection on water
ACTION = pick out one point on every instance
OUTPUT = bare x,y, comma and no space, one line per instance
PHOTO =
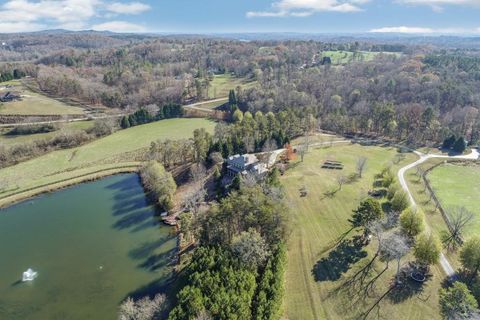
92,245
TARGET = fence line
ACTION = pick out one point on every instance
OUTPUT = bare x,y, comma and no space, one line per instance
434,197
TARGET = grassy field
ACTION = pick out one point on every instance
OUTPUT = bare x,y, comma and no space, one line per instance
344,57
33,103
315,269
212,105
9,140
118,149
222,84
458,185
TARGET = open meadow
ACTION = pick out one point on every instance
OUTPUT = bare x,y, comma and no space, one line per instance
117,150
222,84
32,103
458,185
344,57
9,140
317,267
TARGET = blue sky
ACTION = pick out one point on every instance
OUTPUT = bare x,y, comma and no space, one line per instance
224,16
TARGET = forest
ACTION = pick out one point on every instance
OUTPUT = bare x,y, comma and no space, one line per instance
419,93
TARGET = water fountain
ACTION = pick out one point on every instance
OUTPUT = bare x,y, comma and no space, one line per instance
29,275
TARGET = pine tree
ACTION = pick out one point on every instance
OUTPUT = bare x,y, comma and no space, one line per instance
460,145
125,123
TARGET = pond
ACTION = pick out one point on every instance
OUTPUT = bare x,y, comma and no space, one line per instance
92,245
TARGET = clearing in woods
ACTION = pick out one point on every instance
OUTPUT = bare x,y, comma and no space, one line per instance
32,103
221,85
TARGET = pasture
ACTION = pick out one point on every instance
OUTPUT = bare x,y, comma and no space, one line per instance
117,150
458,185
9,140
32,103
223,83
317,267
344,57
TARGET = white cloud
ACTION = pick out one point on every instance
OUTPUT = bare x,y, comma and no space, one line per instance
402,29
421,30
119,26
437,5
13,27
303,8
128,8
32,15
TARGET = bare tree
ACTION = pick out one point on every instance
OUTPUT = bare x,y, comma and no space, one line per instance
269,145
302,150
394,247
198,172
459,219
361,165
143,309
341,180
193,199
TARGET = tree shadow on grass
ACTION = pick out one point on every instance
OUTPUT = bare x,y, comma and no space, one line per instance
408,288
339,260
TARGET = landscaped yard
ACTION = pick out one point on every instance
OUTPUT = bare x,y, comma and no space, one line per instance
33,103
316,268
458,186
112,151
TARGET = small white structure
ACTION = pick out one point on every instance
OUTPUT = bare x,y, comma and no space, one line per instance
29,275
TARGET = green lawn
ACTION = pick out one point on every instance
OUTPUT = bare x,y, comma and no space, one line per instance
315,270
344,57
458,185
33,103
9,140
222,84
116,149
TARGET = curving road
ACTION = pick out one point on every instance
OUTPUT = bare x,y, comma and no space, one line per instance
446,266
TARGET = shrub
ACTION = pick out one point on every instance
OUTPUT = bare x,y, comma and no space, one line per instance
412,222
400,201
427,249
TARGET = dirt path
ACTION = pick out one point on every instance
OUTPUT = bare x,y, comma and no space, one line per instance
195,106
447,267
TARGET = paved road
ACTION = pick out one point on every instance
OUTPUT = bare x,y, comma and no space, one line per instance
447,267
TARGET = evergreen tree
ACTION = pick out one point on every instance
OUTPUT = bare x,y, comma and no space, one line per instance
449,142
460,145
125,123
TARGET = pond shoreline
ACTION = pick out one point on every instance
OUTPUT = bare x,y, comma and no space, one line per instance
55,186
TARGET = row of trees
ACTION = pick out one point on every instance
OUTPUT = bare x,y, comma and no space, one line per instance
152,113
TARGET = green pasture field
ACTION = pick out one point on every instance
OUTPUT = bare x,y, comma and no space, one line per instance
458,186
9,140
115,150
33,103
316,267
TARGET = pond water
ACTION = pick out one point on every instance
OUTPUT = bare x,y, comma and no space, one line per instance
92,245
